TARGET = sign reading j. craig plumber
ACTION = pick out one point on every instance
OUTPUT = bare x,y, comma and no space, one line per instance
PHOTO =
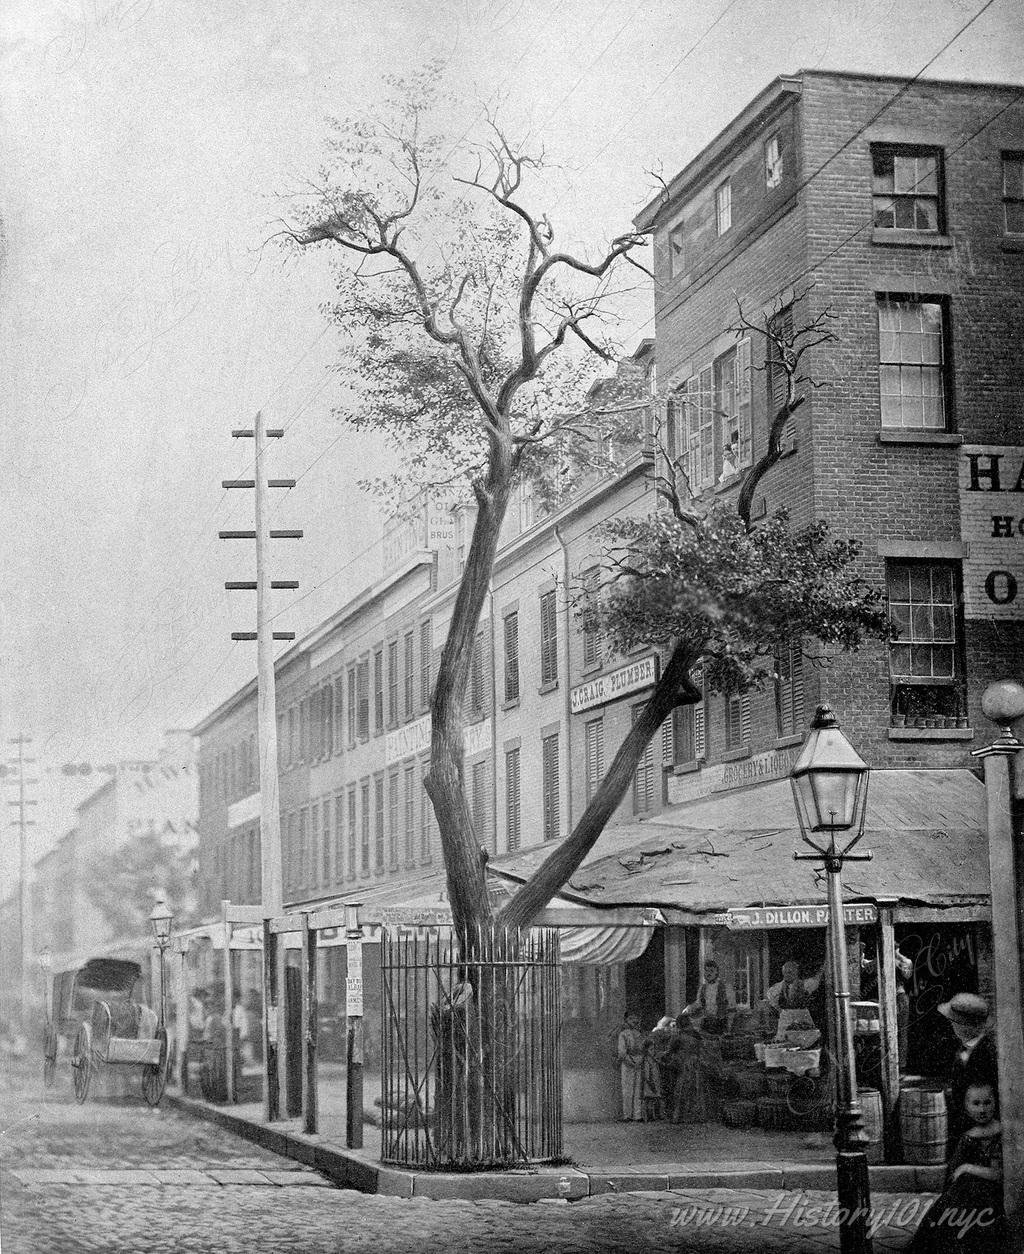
618,683
795,916
992,524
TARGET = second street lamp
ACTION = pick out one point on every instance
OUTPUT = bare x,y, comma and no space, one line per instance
830,787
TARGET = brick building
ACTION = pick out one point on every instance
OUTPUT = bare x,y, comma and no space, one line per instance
899,210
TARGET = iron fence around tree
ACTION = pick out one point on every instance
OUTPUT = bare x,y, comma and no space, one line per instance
471,1073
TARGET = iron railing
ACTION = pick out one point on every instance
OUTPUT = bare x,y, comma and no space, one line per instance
471,1072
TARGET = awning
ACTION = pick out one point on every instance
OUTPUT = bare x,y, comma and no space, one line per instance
924,828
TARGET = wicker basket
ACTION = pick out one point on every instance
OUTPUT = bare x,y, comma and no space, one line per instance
777,1084
751,1083
774,1112
739,1114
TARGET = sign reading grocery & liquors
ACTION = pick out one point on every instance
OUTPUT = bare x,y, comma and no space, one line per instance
618,683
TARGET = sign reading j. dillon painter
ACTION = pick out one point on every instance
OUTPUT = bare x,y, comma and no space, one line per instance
992,524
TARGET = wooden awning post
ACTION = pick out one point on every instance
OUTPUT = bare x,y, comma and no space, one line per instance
229,1001
885,965
310,1012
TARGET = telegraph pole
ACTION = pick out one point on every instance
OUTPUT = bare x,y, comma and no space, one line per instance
24,896
270,810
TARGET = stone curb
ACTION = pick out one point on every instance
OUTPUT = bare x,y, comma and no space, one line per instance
352,1169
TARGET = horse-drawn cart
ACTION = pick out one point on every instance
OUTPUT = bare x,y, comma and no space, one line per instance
93,1006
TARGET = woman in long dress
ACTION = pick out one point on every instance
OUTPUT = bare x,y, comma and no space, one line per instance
630,1052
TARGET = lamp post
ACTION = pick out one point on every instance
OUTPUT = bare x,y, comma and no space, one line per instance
1003,703
160,919
45,965
830,788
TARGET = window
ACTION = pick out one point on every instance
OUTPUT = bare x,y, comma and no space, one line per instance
593,738
314,842
676,250
592,639
364,834
926,669
410,814
912,363
773,164
513,828
478,803
303,859
548,640
378,823
378,692
393,818
906,188
789,689
549,786
293,736
325,845
426,660
393,683
352,832
409,667
644,775
304,730
511,624
780,329
327,719
426,814
339,835
351,706
723,207
737,720
338,724
476,676
732,405
689,742
1013,193
315,727
363,700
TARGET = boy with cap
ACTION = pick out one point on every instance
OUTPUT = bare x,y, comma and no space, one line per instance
974,1061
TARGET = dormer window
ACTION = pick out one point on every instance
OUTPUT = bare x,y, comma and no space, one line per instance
676,252
772,163
723,207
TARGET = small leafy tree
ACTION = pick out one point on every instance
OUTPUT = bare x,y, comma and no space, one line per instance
460,312
121,884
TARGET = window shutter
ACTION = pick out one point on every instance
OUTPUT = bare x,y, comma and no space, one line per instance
512,656
798,687
426,672
595,755
745,719
512,822
667,742
549,757
548,639
700,748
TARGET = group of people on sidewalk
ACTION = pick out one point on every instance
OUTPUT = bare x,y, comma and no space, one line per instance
675,1072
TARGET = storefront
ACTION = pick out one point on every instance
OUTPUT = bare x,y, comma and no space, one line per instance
721,873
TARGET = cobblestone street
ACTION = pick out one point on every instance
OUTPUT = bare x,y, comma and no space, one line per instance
114,1176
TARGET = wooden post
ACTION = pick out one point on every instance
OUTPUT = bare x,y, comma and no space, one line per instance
885,965
310,1005
229,1002
354,1033
675,970
271,1018
181,1026
1006,873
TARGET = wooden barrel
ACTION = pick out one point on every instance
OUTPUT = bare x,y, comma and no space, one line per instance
871,1108
923,1124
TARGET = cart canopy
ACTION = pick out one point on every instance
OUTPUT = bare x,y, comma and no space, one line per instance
109,975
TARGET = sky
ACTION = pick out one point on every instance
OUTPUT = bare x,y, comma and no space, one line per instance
149,152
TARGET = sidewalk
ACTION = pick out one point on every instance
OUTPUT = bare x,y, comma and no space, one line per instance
608,1158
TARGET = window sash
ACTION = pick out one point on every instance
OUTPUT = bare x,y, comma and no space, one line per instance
392,683
912,367
410,814
378,692
773,162
378,822
364,834
676,250
907,189
393,809
409,669
352,832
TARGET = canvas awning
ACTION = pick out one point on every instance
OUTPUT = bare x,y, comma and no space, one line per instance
734,849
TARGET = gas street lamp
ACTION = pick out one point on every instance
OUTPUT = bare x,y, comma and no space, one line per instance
160,920
830,788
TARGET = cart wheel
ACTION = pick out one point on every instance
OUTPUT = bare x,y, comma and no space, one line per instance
81,1063
49,1056
154,1075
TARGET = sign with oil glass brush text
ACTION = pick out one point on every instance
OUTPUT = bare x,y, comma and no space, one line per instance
992,525
757,917
633,677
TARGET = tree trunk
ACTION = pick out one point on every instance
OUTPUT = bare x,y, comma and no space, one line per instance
672,689
464,860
